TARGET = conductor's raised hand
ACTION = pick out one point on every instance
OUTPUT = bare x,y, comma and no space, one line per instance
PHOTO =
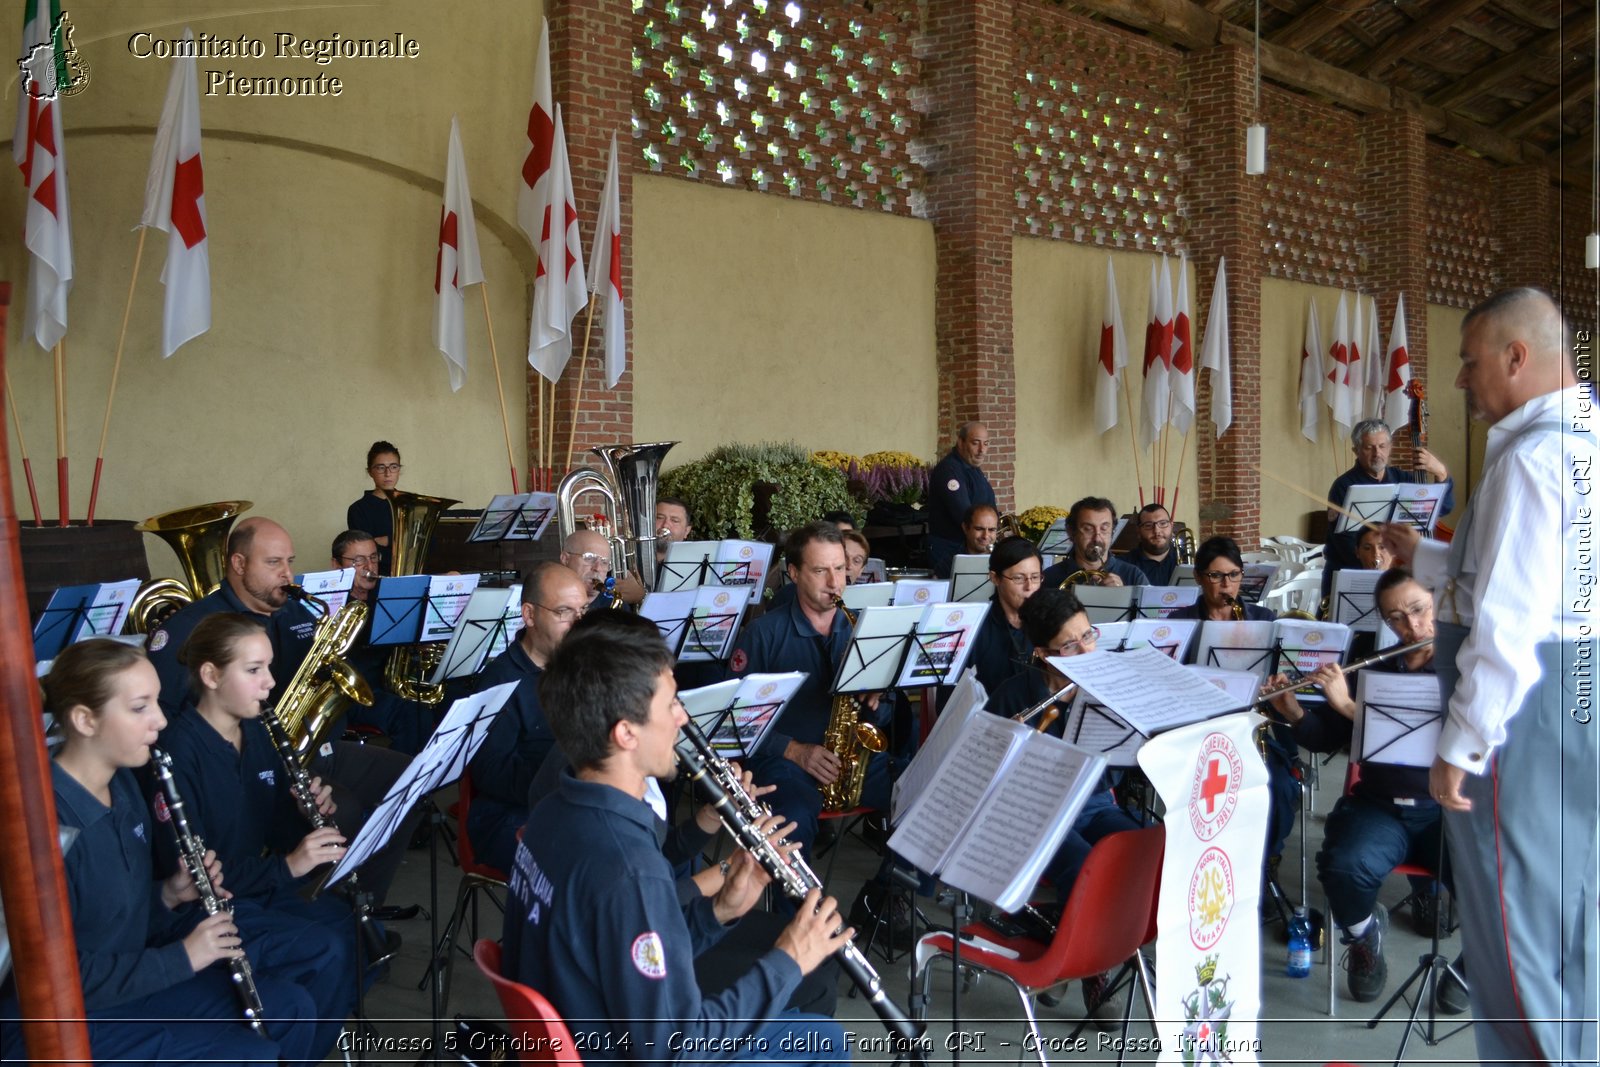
814,933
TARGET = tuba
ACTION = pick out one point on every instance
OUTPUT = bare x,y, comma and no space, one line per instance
852,740
325,684
414,517
199,536
628,484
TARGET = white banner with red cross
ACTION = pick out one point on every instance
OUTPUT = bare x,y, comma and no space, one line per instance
1208,951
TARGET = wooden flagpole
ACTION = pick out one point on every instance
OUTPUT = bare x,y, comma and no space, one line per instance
22,449
116,370
1133,439
583,370
499,385
1183,455
63,500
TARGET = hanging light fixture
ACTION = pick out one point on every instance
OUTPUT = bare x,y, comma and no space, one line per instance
1255,139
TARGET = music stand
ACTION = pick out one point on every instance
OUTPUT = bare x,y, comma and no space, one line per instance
397,610
61,621
969,579
515,517
736,715
481,632
686,565
699,625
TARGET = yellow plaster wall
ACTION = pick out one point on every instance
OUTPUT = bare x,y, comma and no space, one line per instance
323,219
758,318
1058,299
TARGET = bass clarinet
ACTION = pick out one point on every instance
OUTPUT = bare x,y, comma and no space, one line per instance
192,851
741,814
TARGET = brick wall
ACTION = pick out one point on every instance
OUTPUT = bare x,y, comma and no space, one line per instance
1395,189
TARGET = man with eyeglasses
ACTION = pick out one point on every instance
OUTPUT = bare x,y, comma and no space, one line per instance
1371,442
588,555
1388,818
1058,626
1090,525
553,598
1155,556
1001,647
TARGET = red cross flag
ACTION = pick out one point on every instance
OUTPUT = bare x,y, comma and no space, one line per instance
1113,357
39,151
1157,357
1182,377
533,189
558,287
174,201
605,271
1312,375
457,265
1396,405
1338,389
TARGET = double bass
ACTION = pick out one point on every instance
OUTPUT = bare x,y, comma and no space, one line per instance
1417,427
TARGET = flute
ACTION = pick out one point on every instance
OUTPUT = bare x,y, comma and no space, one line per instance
1376,657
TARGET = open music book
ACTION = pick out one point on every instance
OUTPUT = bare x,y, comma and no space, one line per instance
996,809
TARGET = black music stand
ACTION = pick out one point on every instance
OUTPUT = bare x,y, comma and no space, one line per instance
514,517
398,605
60,620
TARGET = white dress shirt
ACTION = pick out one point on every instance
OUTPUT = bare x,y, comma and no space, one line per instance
1528,571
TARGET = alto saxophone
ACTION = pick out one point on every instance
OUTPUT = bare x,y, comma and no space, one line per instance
852,740
192,851
326,683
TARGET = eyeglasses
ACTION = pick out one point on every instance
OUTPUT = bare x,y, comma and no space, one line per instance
564,613
591,558
1415,611
385,468
1164,524
360,561
1222,576
1067,648
1023,581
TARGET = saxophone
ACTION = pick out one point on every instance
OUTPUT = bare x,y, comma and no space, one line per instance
325,684
192,851
852,740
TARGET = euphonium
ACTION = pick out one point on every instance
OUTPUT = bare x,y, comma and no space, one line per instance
199,536
414,517
852,740
325,684
628,484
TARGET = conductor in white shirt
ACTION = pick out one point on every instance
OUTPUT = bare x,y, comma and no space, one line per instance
1516,655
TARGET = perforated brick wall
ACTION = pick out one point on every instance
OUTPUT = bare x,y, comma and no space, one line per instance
1311,196
1463,244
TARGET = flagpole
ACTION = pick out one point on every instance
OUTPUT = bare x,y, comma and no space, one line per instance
583,371
499,386
116,368
1183,454
1133,440
62,496
22,448
536,478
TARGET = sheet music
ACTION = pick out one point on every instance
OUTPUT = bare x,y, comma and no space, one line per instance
1106,603
932,659
744,563
1147,690
685,565
737,713
920,591
447,599
331,586
1183,574
1021,823
1364,504
1419,504
1256,581
1054,541
969,579
1241,686
713,622
868,595
968,699
934,823
513,623
872,662
1170,637
1245,645
1095,728
482,624
1400,718
515,517
876,570
1306,644
1160,601
1355,606
107,612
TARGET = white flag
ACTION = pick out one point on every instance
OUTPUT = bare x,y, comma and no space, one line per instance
1157,357
533,186
1215,355
174,201
1112,358
1312,376
605,271
1338,389
558,287
1396,405
1181,377
1372,384
40,151
458,264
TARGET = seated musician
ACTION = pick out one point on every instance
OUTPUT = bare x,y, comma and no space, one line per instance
1219,571
1090,525
1155,555
371,512
1372,555
553,598
260,567
155,985
407,723
1388,818
857,550
1001,647
1371,442
1057,625
980,529
588,555
598,924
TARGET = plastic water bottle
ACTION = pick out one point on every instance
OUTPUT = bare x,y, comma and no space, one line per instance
1299,945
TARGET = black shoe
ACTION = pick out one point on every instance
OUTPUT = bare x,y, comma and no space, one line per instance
1097,999
882,917
1424,914
391,913
1369,971
1450,995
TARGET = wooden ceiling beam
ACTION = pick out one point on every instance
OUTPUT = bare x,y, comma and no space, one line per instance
1439,19
1528,16
1577,30
1550,105
1313,24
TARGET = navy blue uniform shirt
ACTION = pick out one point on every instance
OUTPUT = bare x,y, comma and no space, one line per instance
290,628
1158,571
999,650
597,927
1057,573
784,640
237,800
372,514
1197,610
128,942
947,505
518,742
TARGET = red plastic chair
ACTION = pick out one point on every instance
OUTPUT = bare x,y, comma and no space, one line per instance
1102,926
542,1035
476,877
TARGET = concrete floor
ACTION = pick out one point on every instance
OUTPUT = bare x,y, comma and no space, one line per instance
1296,1027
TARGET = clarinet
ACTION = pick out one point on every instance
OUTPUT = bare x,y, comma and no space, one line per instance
192,851
740,814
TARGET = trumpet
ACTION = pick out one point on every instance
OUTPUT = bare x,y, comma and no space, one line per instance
1376,657
741,814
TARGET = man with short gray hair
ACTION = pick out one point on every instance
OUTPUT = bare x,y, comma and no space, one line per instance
1371,441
